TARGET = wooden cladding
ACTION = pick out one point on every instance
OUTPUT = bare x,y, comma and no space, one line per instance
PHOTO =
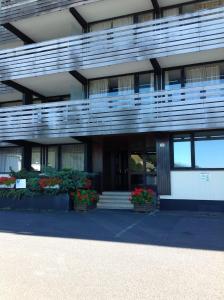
18,9
193,108
158,38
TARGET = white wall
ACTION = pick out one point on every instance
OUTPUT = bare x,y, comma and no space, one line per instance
197,185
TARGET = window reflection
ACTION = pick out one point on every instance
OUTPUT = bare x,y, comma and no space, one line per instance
182,152
136,163
209,152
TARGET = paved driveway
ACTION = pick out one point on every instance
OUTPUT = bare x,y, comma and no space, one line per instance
111,255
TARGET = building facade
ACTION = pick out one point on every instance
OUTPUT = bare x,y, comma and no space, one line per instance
131,90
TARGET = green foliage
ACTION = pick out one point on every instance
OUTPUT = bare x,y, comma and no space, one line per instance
24,174
70,181
12,193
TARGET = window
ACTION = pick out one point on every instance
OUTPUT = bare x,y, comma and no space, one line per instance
36,159
209,151
173,79
113,23
203,150
73,157
52,157
10,158
113,86
145,17
209,4
205,74
146,83
182,152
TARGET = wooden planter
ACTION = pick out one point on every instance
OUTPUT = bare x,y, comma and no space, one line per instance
37,203
84,207
145,207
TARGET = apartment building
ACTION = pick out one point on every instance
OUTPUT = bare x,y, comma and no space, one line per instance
131,90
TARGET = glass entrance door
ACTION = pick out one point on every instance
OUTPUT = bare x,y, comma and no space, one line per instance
142,169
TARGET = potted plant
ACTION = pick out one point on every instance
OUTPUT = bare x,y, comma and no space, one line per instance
142,199
50,183
85,199
7,182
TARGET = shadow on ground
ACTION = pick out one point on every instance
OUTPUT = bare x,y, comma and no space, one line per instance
171,229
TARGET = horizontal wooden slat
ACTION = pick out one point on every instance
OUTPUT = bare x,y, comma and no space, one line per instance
19,9
158,38
192,108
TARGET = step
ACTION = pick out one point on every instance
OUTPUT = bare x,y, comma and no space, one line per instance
127,194
111,206
115,202
115,198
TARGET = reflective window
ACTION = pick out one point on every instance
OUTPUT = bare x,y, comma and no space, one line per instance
205,74
173,79
137,163
146,83
182,152
73,157
52,157
209,151
145,17
209,4
36,159
10,158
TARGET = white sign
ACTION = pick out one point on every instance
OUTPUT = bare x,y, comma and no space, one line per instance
204,177
21,183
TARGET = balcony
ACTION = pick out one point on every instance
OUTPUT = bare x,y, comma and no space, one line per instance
194,108
13,10
163,38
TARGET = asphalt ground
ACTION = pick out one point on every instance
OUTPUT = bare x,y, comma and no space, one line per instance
111,255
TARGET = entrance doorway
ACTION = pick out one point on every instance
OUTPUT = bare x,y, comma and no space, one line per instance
125,170
116,175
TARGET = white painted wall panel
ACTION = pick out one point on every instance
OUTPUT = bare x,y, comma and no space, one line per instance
197,185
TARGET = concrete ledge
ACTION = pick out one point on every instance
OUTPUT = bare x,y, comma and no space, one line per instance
192,205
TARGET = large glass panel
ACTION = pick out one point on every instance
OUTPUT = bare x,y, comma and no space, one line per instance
206,74
73,157
124,21
209,150
36,159
145,17
151,164
101,26
137,163
182,152
98,88
146,83
10,158
190,8
173,79
171,12
52,157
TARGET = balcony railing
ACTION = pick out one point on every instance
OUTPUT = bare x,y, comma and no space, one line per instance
12,10
194,108
159,38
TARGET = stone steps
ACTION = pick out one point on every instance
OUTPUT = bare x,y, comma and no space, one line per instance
115,200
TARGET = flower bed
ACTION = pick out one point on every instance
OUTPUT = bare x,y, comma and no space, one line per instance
47,191
143,199
7,182
85,199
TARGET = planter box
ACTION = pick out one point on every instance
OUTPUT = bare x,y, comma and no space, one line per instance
37,203
84,207
146,207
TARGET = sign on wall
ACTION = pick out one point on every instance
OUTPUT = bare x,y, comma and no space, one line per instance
21,183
